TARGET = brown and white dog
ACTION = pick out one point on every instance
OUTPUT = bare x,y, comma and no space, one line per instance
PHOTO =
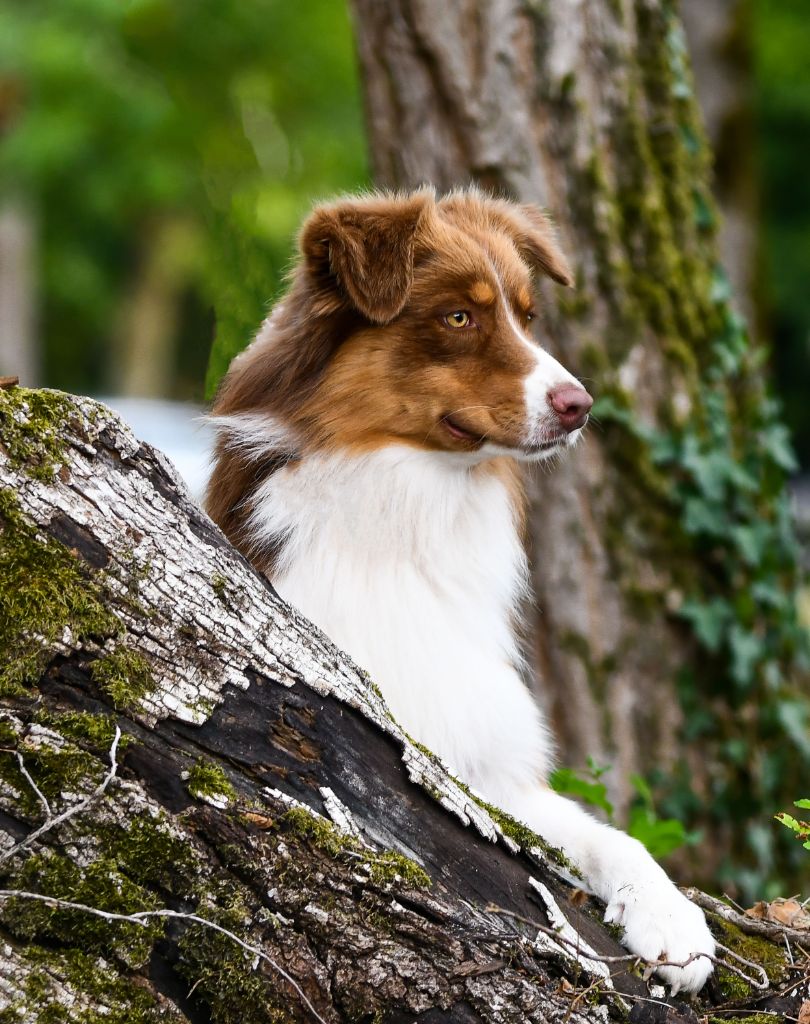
367,461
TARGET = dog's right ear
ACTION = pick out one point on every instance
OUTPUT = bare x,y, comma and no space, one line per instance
365,248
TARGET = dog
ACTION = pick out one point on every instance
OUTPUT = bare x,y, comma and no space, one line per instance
367,461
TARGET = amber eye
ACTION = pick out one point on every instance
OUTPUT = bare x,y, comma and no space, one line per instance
458,319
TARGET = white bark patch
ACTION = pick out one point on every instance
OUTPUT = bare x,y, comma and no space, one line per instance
580,949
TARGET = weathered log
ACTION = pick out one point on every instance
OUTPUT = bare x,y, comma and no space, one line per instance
264,843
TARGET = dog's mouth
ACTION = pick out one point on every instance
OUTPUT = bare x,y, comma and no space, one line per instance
474,440
455,429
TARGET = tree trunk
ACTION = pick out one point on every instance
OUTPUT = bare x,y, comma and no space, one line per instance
719,36
19,339
653,641
291,853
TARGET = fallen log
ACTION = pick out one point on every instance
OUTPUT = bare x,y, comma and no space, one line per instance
208,814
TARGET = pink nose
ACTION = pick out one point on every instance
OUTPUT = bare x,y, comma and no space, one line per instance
571,404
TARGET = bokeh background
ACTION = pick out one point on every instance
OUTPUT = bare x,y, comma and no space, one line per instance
157,156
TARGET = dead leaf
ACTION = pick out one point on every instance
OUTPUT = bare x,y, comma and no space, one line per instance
787,912
804,1012
259,820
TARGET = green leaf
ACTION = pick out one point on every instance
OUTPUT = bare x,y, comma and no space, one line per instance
566,780
709,619
747,649
804,804
788,821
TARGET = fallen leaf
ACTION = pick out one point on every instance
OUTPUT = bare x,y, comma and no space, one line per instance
787,912
259,820
804,1012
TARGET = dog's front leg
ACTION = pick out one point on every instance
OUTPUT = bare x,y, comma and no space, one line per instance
659,922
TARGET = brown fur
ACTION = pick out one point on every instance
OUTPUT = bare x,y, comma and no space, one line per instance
360,355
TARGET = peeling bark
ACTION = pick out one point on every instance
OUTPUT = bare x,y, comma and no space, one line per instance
261,785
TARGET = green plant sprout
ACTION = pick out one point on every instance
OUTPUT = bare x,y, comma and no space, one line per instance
661,836
801,828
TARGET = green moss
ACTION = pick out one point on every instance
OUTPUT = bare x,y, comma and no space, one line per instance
747,1018
124,675
151,854
100,885
384,868
97,730
222,974
43,591
206,779
770,957
219,585
392,866
123,1001
321,833
55,769
32,428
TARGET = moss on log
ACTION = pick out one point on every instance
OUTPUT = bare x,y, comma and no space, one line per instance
291,854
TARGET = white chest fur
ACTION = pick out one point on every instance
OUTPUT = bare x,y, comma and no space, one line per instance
411,562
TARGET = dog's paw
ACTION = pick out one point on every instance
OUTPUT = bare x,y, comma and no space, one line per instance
660,923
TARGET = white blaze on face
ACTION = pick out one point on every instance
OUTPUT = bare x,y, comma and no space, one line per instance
546,375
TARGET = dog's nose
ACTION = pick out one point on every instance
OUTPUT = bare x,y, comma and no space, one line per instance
571,404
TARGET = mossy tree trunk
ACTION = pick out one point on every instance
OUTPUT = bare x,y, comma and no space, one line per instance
666,640
260,793
719,33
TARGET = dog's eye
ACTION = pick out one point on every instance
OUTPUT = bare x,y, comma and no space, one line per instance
531,315
458,319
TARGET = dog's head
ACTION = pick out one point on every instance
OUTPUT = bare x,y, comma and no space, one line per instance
409,321
443,356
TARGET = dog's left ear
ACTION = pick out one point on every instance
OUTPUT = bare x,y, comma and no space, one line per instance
537,243
365,247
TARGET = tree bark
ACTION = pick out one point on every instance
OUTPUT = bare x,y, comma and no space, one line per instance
587,109
719,35
260,788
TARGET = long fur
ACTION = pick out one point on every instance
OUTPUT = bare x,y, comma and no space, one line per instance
368,462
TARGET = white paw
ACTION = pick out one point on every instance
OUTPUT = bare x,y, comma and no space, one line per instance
660,923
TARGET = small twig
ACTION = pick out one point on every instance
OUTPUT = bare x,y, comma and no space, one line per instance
750,925
40,795
761,985
52,822
748,963
141,917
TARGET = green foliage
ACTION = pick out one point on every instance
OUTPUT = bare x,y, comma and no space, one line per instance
210,122
782,96
661,836
801,829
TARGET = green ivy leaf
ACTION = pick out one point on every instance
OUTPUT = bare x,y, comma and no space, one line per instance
566,780
710,620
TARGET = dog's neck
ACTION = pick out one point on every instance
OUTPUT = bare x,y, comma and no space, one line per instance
396,504
407,559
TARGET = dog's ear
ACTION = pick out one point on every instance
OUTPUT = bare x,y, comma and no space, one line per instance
537,243
365,247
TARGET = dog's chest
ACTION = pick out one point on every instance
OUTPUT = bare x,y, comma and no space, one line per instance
412,563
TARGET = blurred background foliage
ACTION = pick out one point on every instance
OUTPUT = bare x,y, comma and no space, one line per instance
165,150
780,41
